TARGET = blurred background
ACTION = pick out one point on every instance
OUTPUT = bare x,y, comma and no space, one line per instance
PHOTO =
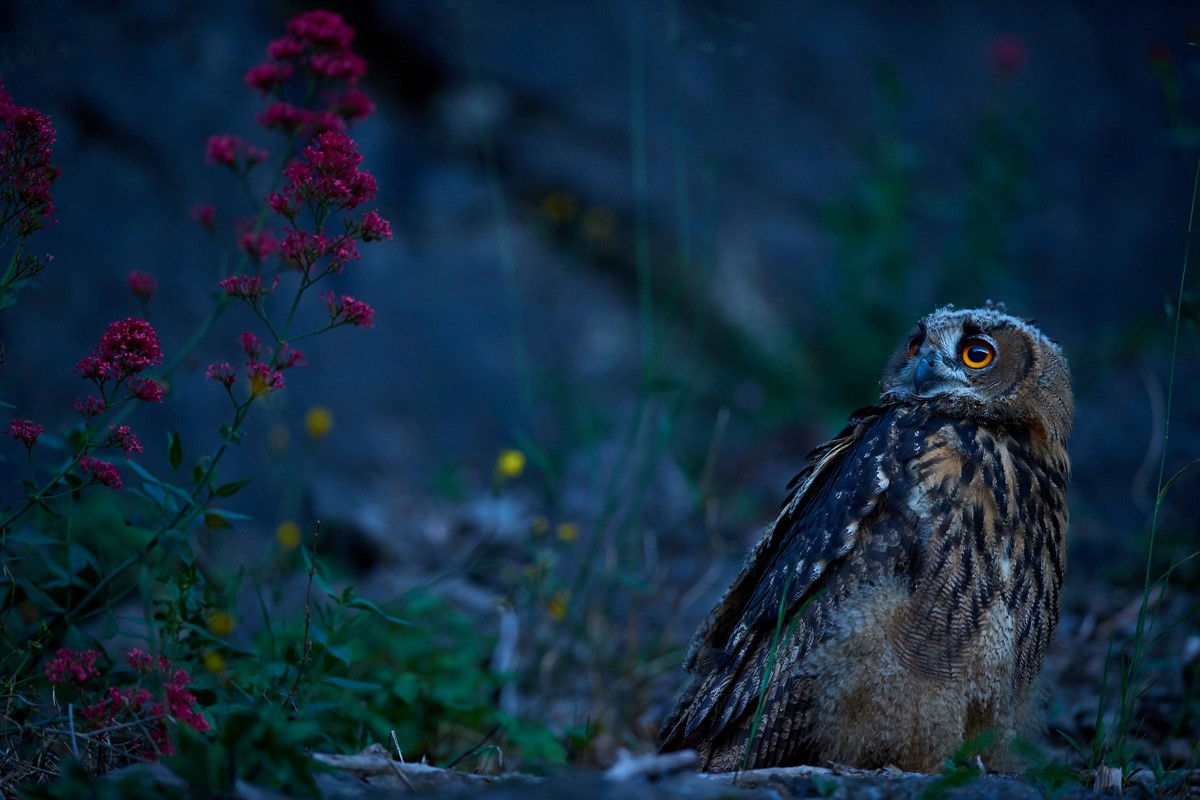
646,255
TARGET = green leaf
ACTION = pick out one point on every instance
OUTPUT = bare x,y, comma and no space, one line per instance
108,624
175,543
42,600
407,688
229,516
232,488
174,450
30,490
347,683
29,537
214,521
367,605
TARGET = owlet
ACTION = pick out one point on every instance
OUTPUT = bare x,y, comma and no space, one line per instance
902,601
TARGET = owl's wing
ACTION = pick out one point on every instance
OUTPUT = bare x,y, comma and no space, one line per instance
796,562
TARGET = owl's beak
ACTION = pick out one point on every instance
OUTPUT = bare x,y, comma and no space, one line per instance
929,376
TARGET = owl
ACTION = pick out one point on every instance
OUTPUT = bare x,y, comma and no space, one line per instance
901,602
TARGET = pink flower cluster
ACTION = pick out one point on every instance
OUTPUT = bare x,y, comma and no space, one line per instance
264,369
222,373
123,438
247,287
143,285
127,347
348,311
263,379
25,431
206,216
314,54
26,136
260,244
69,666
135,702
101,472
231,151
326,177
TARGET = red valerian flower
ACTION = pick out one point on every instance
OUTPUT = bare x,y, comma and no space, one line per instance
260,245
143,285
90,406
327,174
263,379
138,703
289,357
221,373
313,58
353,105
69,666
205,214
374,227
139,659
303,250
268,78
289,119
127,347
102,472
123,438
25,431
348,311
341,65
26,136
252,345
231,151
320,27
247,287
145,389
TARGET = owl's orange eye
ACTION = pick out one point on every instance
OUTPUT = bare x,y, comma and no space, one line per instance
977,353
914,344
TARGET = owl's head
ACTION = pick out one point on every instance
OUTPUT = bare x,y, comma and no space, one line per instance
984,364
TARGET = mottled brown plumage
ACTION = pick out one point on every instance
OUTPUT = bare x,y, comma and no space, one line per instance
902,601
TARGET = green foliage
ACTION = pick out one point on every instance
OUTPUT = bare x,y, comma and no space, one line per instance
262,745
962,768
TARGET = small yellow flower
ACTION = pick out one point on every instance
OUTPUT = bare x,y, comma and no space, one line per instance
539,525
288,534
567,531
598,222
221,624
558,604
278,438
559,207
510,464
214,661
318,422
